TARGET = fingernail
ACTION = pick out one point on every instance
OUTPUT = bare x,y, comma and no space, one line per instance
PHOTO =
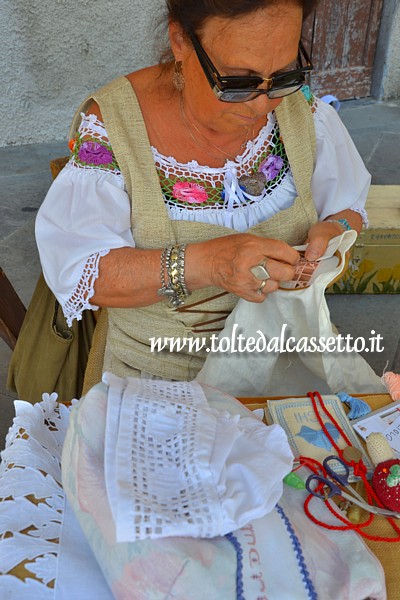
311,255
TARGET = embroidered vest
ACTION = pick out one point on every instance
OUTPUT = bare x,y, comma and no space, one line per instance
129,330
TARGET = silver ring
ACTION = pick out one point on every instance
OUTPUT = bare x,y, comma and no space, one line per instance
260,272
262,285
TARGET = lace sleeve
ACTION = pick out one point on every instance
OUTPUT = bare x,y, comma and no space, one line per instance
84,291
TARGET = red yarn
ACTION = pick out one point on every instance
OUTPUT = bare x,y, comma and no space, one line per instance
360,470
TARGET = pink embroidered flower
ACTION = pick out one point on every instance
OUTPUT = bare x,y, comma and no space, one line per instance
193,193
94,153
271,166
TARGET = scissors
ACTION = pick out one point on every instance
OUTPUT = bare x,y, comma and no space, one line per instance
331,489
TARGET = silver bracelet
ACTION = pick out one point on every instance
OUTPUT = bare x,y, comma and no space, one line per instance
173,260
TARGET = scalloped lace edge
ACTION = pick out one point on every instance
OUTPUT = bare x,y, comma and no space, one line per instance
22,442
361,211
84,291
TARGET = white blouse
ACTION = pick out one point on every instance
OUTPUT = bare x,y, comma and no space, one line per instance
86,212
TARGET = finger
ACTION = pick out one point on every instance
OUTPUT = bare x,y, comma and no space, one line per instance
316,248
280,251
278,271
261,292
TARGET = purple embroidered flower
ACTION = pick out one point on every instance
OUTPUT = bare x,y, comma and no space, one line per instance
94,153
193,193
271,166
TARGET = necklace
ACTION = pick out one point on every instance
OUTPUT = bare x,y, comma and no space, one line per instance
205,143
251,182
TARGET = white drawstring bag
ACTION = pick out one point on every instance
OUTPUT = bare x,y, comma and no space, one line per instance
301,314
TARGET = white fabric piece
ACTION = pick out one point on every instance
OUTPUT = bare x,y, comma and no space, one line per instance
162,437
87,210
301,314
79,576
258,543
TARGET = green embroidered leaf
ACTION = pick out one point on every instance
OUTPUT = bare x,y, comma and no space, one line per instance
394,476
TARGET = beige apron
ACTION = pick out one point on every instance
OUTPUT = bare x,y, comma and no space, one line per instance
129,330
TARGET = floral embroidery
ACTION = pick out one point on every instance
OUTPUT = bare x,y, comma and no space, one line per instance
271,166
193,193
92,153
95,153
211,181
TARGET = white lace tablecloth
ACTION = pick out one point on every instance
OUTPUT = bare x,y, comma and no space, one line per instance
35,516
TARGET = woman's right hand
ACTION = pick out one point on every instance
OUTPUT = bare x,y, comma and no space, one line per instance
225,262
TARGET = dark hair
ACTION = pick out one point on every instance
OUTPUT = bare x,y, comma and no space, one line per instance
192,14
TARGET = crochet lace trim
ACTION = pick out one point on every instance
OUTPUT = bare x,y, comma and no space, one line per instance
32,500
84,291
361,211
214,183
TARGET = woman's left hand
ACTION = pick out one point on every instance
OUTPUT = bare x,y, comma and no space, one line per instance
322,232
319,236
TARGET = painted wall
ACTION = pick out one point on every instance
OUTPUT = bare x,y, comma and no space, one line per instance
54,52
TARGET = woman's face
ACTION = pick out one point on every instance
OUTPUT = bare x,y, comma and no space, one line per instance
262,43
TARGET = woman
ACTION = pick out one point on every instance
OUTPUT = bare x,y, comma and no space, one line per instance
107,236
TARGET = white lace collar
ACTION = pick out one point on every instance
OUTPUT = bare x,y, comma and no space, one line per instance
243,161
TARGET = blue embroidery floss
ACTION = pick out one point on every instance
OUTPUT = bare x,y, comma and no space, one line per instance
358,408
305,574
239,569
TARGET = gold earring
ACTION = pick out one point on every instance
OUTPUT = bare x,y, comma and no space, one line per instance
178,78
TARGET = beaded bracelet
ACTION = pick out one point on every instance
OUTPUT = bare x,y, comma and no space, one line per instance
173,260
343,222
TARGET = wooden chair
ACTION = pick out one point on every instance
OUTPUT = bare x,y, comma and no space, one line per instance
12,311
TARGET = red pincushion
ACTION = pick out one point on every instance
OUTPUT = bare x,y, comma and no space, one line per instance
386,483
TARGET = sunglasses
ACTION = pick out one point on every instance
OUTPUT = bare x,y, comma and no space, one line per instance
243,89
